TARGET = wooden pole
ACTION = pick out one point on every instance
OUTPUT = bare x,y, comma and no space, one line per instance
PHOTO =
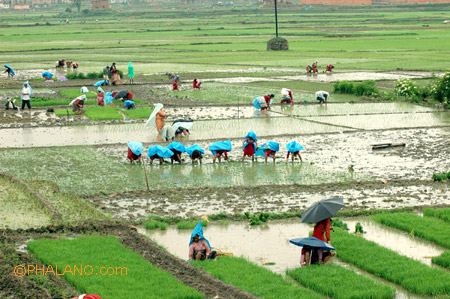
145,172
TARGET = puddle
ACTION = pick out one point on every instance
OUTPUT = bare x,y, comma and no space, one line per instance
397,241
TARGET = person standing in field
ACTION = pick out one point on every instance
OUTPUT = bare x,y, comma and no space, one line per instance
106,75
26,93
130,73
160,119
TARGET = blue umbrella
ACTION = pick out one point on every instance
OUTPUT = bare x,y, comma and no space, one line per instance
271,145
191,149
219,146
312,242
177,146
136,147
294,146
162,152
198,231
10,68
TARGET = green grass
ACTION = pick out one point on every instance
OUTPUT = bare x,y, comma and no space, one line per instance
337,282
431,229
103,113
138,113
142,279
390,265
442,260
253,279
63,112
190,224
73,93
443,213
155,225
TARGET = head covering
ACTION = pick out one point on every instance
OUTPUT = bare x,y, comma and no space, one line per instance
136,147
271,145
191,149
251,135
294,146
129,104
84,89
99,89
160,151
10,68
176,77
177,146
220,145
198,231
256,103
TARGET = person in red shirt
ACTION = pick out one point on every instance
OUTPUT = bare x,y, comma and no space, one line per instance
329,68
321,228
88,296
176,83
315,69
268,99
196,84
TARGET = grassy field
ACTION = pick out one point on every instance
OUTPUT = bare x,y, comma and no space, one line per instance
442,260
231,39
140,279
138,113
254,279
337,282
443,213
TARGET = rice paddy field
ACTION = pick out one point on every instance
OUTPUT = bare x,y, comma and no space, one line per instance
73,205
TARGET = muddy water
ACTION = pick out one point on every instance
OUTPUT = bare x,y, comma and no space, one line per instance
202,130
397,241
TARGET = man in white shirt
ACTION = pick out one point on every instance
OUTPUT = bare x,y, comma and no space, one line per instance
322,96
26,91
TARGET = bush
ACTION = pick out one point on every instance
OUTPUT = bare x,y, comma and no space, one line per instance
344,87
406,88
438,177
71,76
366,88
94,75
441,89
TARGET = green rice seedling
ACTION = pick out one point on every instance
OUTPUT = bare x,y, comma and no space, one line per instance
338,282
443,213
431,229
254,279
390,265
336,222
138,113
442,260
190,224
64,112
73,93
359,228
439,177
103,113
132,276
155,225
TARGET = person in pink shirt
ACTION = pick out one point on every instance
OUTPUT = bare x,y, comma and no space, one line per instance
199,249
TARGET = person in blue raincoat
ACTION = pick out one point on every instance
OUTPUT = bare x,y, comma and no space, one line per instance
134,151
158,152
177,149
199,247
294,149
220,148
249,145
268,149
9,70
47,75
195,152
129,104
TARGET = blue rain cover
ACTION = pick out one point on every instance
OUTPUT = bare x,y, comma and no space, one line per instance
100,82
252,135
198,231
256,103
313,242
294,146
136,147
160,151
266,146
177,146
100,90
12,71
128,103
220,145
191,149
28,83
108,98
47,74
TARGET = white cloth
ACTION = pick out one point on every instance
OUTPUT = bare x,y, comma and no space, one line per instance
26,93
84,89
262,102
322,94
285,93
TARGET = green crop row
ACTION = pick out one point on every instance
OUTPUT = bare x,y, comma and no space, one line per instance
390,265
73,93
91,75
438,177
190,224
133,276
431,229
365,88
139,113
443,213
442,260
337,282
103,113
254,279
49,102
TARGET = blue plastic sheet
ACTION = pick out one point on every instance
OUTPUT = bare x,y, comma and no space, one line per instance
160,151
220,145
177,146
198,231
294,146
136,147
100,82
47,74
252,135
12,71
128,104
108,98
191,149
271,145
256,103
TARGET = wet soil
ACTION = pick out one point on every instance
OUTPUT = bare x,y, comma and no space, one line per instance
179,268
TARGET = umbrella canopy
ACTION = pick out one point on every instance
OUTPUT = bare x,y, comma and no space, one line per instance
184,123
323,209
312,242
294,146
220,146
198,231
136,147
256,103
151,122
101,82
121,94
160,151
10,68
271,145
177,146
191,149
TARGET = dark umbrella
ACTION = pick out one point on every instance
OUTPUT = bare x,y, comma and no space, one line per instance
312,242
121,94
323,209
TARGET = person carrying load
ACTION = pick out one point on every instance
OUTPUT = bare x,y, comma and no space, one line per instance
287,97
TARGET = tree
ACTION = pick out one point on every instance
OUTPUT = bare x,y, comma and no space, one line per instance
77,4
